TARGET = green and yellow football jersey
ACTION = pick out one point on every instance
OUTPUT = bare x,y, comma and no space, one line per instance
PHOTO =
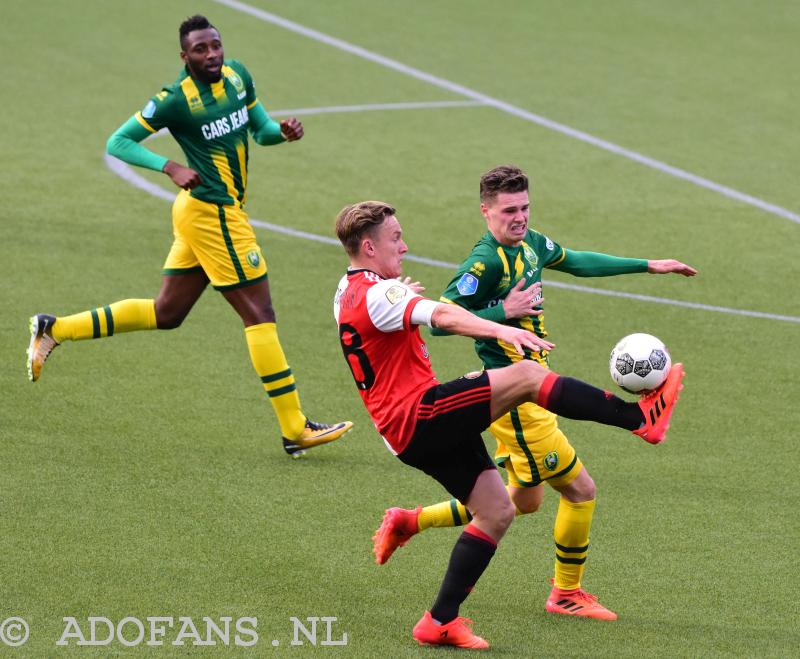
210,123
487,275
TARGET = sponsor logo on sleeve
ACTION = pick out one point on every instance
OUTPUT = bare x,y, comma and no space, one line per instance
149,110
468,284
477,268
549,243
396,293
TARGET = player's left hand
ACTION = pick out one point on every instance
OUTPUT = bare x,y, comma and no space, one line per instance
521,338
291,129
665,266
413,285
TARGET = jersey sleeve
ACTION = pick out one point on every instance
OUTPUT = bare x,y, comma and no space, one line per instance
476,281
594,264
265,130
389,305
124,144
158,112
552,253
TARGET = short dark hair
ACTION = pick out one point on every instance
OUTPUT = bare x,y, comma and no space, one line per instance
355,221
196,22
505,178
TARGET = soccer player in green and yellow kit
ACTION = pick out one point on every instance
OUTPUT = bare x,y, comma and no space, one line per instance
209,110
498,282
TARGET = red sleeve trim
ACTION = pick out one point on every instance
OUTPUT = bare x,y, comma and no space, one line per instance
409,308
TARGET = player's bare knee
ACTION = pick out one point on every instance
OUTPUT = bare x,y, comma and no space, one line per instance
581,489
496,516
507,514
168,321
589,490
526,507
534,373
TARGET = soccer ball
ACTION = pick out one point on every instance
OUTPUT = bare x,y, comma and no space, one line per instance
639,362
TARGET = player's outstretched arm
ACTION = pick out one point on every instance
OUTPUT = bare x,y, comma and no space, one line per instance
665,266
454,319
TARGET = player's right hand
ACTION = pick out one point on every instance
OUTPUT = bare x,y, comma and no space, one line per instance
520,303
521,338
183,177
413,285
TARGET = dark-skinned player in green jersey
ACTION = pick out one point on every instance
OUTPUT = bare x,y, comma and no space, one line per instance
209,111
500,281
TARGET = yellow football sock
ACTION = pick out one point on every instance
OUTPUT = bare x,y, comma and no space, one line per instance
123,316
571,533
270,364
446,513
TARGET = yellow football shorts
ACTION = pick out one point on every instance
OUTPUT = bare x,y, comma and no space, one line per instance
217,239
532,449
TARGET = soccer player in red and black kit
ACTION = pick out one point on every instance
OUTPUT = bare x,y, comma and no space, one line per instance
437,427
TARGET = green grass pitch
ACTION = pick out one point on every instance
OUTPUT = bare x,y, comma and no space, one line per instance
143,476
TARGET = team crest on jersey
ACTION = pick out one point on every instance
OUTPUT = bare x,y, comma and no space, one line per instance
236,81
468,284
477,268
149,110
253,258
530,255
551,461
395,293
195,103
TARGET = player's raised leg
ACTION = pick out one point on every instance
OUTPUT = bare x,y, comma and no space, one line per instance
526,381
254,305
175,299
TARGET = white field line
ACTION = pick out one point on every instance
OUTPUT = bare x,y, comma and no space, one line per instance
296,112
455,88
125,172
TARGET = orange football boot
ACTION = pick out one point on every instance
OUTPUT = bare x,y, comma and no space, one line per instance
657,407
396,529
457,633
577,603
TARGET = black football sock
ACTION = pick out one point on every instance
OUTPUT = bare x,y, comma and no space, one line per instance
575,399
470,557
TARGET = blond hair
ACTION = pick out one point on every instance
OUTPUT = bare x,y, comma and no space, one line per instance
357,220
